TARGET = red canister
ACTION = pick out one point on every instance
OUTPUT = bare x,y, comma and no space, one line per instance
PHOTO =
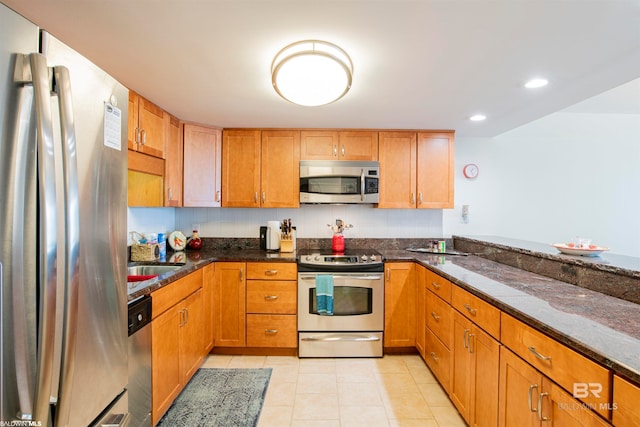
337,243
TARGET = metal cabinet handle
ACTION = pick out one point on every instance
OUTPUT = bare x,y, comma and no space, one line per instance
218,196
464,338
538,355
270,331
434,357
137,136
388,274
471,310
270,297
241,274
531,388
255,197
420,198
264,196
413,198
540,416
470,339
342,150
335,151
435,285
144,137
270,272
435,316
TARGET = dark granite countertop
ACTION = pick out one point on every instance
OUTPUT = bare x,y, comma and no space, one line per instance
601,327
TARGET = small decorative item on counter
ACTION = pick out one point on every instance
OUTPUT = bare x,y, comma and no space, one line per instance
287,236
162,245
194,242
177,241
337,242
142,249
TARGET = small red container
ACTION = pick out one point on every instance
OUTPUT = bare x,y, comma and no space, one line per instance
337,243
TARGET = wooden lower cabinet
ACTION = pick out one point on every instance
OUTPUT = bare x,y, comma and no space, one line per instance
626,403
399,305
474,373
438,358
208,312
528,398
421,273
229,304
272,330
176,351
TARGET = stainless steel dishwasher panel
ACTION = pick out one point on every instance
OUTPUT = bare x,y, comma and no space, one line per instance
140,362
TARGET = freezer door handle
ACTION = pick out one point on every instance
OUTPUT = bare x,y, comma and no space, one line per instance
48,231
71,241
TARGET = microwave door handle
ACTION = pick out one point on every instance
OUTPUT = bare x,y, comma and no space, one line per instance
362,181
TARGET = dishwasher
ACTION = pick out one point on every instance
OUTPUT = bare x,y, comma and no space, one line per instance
140,362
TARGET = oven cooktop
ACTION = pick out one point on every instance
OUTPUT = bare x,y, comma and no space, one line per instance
350,260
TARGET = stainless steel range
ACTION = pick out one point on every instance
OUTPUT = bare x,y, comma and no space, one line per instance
340,304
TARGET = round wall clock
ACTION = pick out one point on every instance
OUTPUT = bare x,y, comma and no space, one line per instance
470,171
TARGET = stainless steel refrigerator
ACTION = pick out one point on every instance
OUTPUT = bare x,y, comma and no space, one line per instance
63,192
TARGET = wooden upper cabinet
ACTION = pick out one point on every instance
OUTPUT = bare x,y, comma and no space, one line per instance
319,145
173,162
280,169
202,165
240,168
338,145
146,126
397,155
435,170
358,145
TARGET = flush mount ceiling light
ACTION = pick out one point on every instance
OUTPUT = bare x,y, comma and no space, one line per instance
536,83
478,117
311,73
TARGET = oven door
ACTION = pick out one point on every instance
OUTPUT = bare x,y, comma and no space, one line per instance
358,303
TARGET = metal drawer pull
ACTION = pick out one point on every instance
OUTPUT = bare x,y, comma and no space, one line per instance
531,388
435,316
433,356
538,355
540,417
470,310
435,285
341,338
270,331
270,272
271,297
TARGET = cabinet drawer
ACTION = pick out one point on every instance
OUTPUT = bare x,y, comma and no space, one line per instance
173,293
480,312
271,330
271,296
438,318
561,364
438,285
272,271
626,397
438,358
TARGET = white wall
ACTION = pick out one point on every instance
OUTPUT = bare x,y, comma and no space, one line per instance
564,175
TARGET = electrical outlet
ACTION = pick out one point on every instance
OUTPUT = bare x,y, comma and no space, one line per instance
465,214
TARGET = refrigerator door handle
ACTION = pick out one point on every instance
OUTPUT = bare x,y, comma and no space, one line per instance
47,226
71,273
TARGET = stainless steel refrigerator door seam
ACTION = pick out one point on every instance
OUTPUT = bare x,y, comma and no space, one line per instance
48,230
72,240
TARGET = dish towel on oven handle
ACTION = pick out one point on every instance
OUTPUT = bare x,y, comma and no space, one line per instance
324,294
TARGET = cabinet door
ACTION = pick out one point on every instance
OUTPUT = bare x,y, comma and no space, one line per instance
165,361
208,299
460,393
559,408
151,122
280,169
626,397
191,336
520,386
173,163
133,129
358,145
420,304
240,168
202,166
145,180
230,311
435,170
397,155
485,378
319,145
399,305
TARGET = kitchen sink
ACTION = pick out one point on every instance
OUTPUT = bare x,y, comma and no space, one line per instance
151,270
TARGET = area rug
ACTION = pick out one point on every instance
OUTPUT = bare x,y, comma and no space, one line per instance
220,397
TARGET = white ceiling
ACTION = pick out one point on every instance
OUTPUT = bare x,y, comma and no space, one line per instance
423,64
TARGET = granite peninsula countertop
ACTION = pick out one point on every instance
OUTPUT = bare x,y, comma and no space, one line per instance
601,327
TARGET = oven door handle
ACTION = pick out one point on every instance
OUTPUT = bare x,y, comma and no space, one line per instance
344,276
340,337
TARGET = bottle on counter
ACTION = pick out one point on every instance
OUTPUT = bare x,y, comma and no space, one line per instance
194,242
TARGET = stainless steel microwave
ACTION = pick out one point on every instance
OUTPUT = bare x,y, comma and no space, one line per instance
327,181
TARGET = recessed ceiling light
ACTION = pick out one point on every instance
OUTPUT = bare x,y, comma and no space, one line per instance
536,83
477,117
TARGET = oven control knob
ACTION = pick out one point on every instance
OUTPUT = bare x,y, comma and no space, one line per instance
373,258
364,258
316,258
307,258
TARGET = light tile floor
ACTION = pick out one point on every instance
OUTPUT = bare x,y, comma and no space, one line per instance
396,390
